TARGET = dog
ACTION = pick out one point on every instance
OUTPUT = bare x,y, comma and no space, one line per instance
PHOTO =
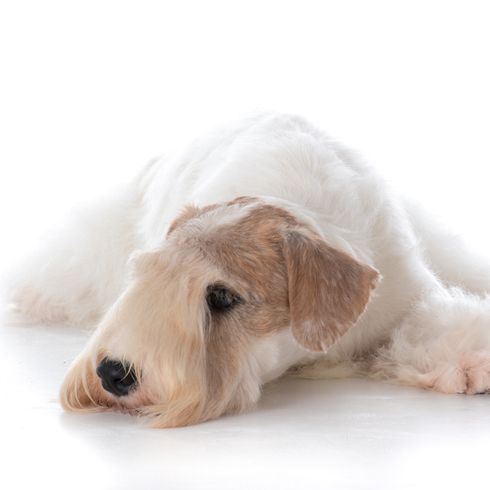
260,249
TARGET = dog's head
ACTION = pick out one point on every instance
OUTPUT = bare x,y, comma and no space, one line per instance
218,309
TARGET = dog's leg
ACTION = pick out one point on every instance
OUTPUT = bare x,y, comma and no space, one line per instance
443,344
80,270
448,255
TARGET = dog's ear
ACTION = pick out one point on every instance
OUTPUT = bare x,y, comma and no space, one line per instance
328,290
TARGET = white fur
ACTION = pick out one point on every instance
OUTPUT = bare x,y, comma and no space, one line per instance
422,326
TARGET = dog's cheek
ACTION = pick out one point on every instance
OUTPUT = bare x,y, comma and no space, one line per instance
227,383
238,388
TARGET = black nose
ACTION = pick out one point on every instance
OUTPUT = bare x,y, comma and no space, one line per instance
117,378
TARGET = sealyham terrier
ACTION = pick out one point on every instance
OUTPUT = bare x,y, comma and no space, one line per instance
260,249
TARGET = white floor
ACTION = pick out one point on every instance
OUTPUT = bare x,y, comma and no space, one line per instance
304,435
89,91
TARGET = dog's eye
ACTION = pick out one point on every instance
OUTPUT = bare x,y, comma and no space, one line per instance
220,298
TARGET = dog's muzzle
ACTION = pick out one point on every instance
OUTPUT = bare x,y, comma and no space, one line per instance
117,378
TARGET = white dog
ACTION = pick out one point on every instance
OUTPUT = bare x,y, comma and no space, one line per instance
259,248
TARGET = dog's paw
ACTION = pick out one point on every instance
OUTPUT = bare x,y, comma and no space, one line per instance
470,375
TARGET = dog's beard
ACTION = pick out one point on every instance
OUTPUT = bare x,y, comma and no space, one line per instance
191,403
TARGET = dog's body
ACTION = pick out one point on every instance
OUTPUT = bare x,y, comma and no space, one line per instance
415,300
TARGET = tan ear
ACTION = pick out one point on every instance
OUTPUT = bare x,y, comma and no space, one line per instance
328,290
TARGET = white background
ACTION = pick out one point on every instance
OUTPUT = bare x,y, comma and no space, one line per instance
90,90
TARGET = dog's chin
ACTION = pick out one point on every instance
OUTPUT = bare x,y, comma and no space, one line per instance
81,391
186,411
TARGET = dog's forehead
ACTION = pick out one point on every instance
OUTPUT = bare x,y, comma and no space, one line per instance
243,238
242,217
